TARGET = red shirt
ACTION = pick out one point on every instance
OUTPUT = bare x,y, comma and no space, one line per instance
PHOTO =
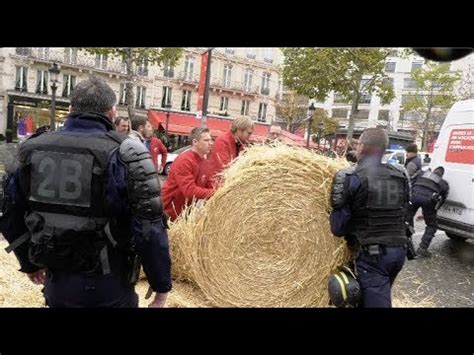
225,150
185,182
156,148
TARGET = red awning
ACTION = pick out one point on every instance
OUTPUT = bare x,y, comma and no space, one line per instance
182,124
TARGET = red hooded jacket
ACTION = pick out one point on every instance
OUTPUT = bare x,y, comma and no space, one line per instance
156,148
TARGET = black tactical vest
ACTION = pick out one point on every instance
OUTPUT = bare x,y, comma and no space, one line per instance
430,181
63,180
383,197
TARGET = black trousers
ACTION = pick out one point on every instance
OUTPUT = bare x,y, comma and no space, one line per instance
376,274
425,201
85,290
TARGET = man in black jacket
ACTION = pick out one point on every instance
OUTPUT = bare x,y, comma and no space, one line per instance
82,209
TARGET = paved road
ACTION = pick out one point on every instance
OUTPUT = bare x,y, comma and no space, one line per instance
447,278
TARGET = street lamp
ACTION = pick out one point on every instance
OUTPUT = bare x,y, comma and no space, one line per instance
53,76
311,110
320,131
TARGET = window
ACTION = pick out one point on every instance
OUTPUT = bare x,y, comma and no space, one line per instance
141,94
417,64
268,55
364,97
383,115
339,112
251,53
224,105
101,61
166,99
186,101
363,83
436,85
248,76
393,53
43,53
262,112
410,98
387,82
227,75
123,94
70,55
339,99
26,51
21,78
42,82
410,116
142,67
409,83
168,71
362,115
390,67
69,81
245,108
401,158
265,84
229,51
188,68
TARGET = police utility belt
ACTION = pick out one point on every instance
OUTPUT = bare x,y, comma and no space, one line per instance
374,249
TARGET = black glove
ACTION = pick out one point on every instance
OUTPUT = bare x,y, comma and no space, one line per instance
164,218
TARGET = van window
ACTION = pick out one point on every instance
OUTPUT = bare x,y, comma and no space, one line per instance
401,158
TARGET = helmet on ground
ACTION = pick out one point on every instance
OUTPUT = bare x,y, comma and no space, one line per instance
344,289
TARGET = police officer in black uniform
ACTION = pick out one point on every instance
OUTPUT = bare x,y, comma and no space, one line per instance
83,209
429,192
369,204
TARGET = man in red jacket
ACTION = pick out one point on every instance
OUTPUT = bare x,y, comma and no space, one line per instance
228,145
156,147
186,181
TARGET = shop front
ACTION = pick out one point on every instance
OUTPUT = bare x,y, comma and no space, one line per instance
26,114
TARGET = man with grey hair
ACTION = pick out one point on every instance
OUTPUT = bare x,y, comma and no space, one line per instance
369,204
73,219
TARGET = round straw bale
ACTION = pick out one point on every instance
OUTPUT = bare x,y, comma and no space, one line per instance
263,239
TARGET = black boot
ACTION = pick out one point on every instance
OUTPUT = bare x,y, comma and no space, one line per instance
423,252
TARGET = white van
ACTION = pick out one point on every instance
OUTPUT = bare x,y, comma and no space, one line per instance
454,150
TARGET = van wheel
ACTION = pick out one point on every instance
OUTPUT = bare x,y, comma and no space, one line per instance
455,237
167,168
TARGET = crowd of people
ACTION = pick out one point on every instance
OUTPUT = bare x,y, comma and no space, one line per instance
84,208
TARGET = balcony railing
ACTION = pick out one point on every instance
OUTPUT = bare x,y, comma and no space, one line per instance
81,59
231,85
188,77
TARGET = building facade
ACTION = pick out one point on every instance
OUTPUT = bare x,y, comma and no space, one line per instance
373,112
244,82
